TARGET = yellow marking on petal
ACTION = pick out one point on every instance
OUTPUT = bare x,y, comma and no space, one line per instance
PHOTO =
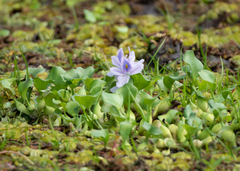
126,66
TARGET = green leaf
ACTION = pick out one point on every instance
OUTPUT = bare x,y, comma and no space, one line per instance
84,73
168,116
41,84
64,94
217,109
168,82
23,88
55,75
103,134
7,84
107,108
151,129
20,107
179,77
139,81
202,103
70,75
77,73
73,108
94,85
89,16
191,130
124,91
207,75
86,101
187,111
35,71
58,121
4,33
147,101
113,99
194,63
162,85
195,121
125,129
49,100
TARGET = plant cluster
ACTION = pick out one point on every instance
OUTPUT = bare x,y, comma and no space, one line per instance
140,105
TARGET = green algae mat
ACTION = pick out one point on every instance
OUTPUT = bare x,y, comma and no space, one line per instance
119,85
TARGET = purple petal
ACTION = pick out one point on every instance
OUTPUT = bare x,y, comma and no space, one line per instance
117,71
113,89
115,61
110,74
120,54
121,80
137,67
131,57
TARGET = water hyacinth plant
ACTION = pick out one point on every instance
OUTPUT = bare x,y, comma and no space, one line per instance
124,68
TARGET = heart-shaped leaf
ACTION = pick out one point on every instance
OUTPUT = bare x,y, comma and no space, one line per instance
194,63
139,81
86,101
113,99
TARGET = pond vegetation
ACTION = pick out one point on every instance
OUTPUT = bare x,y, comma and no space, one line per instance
119,85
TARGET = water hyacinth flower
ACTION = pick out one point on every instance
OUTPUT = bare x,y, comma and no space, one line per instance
124,68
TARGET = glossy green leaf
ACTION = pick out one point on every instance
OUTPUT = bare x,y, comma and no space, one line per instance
56,76
94,85
73,108
195,121
168,116
168,82
151,129
191,130
35,71
194,63
114,111
86,101
187,111
103,134
147,101
207,75
21,108
140,82
113,99
97,86
125,129
41,84
23,88
64,94
162,85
